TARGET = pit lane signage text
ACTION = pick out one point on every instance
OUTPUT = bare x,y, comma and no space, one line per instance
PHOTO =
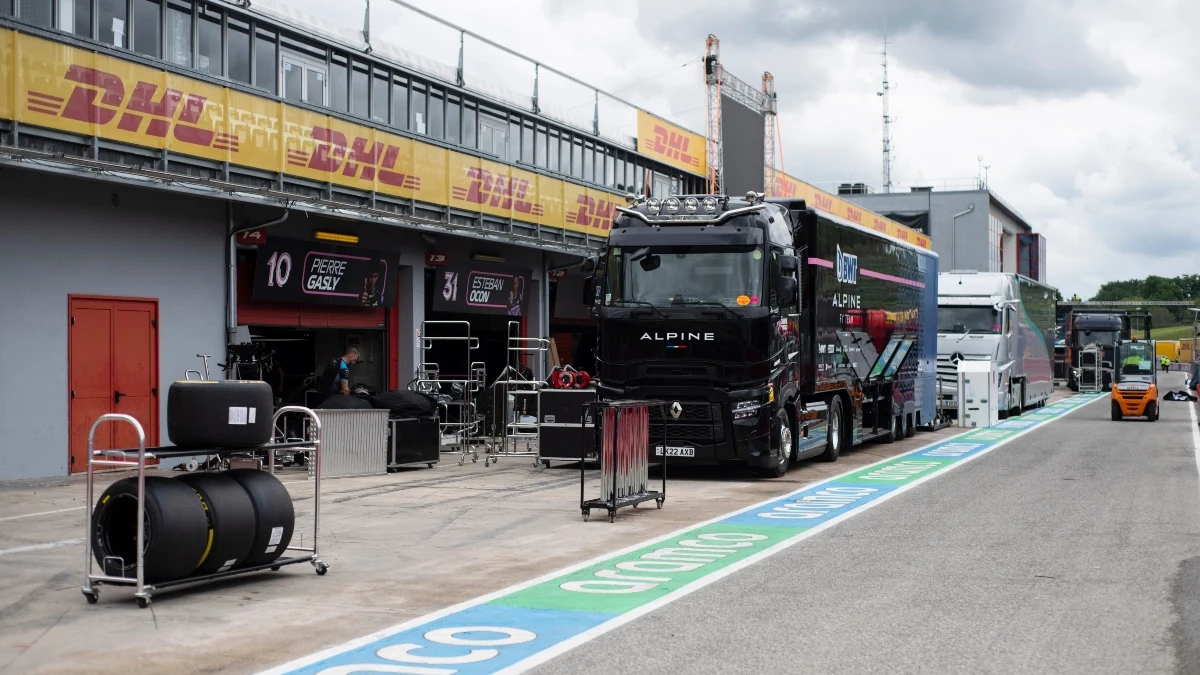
481,289
287,270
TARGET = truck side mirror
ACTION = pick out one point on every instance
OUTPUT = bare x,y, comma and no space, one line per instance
788,264
787,291
589,291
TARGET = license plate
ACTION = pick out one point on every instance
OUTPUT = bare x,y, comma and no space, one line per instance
675,451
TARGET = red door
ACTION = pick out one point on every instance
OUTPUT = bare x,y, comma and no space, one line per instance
113,366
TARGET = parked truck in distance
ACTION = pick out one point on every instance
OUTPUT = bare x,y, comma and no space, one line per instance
771,333
1001,317
1098,330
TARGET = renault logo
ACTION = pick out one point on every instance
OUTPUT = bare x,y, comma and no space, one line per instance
676,410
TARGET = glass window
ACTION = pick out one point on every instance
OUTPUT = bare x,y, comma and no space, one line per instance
453,119
437,113
179,34
493,136
514,141
239,50
683,275
565,152
589,162
468,126
418,109
338,83
552,152
609,168
293,81
208,42
74,16
314,86
539,147
619,171
36,12
977,319
114,20
630,179
577,158
147,27
5,7
400,103
358,92
379,96
527,144
264,61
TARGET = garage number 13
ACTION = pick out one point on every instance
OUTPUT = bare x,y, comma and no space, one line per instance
279,267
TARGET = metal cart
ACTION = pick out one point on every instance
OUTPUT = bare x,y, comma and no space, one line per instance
623,428
512,431
130,459
429,380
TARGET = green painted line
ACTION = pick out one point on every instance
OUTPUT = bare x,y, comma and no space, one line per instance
897,471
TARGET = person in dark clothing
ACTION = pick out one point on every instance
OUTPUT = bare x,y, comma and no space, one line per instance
336,378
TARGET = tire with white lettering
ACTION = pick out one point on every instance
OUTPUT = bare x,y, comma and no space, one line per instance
835,435
274,515
230,520
175,529
220,414
782,443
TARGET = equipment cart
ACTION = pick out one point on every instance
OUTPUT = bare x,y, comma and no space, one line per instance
131,459
623,430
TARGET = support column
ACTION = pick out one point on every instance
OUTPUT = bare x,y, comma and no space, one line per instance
410,306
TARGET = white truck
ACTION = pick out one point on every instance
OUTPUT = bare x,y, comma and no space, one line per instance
1002,317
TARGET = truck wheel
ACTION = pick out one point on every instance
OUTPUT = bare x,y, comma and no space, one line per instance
910,429
1116,412
834,437
892,431
781,442
1019,408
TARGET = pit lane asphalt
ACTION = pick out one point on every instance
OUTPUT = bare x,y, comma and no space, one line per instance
1074,549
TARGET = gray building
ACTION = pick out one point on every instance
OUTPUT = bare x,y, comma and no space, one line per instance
971,229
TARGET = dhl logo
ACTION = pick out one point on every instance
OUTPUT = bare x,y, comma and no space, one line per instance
822,202
501,192
674,145
334,153
594,213
879,224
785,188
142,104
854,214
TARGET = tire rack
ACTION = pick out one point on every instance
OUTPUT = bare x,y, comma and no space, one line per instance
624,453
511,382
466,429
129,459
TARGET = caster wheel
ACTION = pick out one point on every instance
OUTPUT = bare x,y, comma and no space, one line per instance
461,462
659,502
92,597
546,464
475,459
612,517
586,515
275,568
143,603
635,506
322,568
429,465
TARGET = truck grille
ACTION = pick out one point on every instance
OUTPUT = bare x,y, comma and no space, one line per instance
681,432
947,372
698,411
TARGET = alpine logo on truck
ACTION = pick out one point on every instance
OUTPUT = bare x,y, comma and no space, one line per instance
847,267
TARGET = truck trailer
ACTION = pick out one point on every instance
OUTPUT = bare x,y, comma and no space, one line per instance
1001,317
770,332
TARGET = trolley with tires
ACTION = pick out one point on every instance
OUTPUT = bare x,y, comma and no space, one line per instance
154,532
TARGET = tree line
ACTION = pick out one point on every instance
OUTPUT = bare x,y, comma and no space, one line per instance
1152,288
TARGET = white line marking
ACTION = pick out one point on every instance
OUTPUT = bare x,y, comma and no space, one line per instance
41,513
534,660
40,547
1195,435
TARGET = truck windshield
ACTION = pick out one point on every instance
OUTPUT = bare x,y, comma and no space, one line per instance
1100,338
960,319
684,275
1135,358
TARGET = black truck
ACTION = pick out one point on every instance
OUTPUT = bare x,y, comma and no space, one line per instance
771,332
1099,329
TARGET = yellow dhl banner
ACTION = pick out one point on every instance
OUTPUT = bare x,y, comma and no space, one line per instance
786,186
671,144
47,84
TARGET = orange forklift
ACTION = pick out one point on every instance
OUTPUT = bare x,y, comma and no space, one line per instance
1135,380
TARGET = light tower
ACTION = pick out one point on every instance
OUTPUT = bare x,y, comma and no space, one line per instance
887,124
768,89
712,84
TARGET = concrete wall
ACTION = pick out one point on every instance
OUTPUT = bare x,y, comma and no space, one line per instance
961,243
61,236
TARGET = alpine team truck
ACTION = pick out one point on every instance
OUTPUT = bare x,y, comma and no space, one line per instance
1001,317
771,332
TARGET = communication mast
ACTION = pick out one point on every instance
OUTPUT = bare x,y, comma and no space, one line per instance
887,124
768,89
712,84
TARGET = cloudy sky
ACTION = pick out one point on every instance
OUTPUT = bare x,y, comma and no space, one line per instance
1084,111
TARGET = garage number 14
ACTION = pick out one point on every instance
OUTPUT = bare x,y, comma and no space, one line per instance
279,268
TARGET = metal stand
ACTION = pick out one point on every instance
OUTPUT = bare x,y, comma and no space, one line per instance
512,431
1090,357
624,428
940,420
466,429
129,459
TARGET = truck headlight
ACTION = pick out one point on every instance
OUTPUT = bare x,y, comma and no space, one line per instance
746,409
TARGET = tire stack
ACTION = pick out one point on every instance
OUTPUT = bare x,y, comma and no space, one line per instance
200,523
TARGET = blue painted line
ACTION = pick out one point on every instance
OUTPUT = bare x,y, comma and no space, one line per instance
812,506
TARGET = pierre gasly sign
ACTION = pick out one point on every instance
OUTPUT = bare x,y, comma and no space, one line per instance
298,271
481,289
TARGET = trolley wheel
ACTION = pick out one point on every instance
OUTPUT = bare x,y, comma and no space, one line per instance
275,568
586,514
659,502
546,463
93,596
475,458
322,568
430,465
143,603
612,516
462,461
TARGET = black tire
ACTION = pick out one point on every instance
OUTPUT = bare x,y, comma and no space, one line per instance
175,529
910,428
835,434
1019,408
893,430
230,520
274,515
216,414
1152,411
783,443
1116,412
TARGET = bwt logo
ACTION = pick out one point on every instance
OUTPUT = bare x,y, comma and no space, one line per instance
500,192
847,267
332,154
163,113
594,213
674,145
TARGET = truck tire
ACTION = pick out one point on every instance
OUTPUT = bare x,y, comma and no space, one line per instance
230,520
834,433
274,515
910,428
1019,408
893,430
783,443
175,530
219,414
